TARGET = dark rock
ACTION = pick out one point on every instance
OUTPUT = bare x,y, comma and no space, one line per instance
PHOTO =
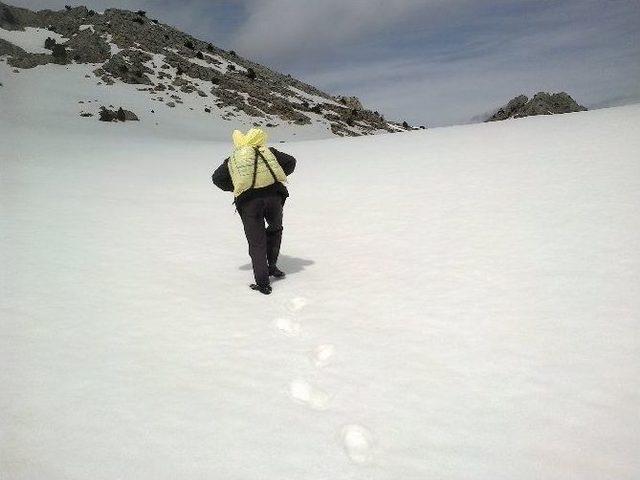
510,109
60,54
107,115
126,115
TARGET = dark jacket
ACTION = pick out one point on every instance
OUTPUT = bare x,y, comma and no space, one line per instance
222,179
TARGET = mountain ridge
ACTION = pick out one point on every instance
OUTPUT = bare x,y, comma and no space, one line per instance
168,64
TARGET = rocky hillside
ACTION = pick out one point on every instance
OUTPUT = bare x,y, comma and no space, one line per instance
542,103
128,48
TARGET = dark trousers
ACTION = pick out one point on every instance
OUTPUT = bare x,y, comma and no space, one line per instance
264,243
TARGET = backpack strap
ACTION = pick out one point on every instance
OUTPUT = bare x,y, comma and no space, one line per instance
259,154
255,171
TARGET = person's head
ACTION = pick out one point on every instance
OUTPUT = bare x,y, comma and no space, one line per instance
255,137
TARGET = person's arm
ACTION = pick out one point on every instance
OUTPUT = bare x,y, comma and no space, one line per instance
221,177
287,162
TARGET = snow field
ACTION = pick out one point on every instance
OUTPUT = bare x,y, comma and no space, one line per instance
460,303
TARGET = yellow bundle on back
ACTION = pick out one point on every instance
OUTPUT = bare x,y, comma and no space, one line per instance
245,160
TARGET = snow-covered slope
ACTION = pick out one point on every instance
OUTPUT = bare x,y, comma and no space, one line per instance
462,303
167,77
52,98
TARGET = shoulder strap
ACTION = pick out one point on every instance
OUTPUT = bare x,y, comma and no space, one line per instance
259,154
255,171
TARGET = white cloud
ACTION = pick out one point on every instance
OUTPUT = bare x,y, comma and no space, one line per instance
305,29
445,87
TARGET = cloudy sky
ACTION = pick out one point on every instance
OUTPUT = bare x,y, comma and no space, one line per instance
430,62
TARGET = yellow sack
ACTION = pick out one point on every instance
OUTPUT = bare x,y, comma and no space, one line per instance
245,160
255,137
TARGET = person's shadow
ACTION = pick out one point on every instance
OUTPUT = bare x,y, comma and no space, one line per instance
287,264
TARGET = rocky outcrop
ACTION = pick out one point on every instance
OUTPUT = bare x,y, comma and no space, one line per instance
131,48
510,109
10,49
128,67
13,18
350,102
542,103
8,21
88,47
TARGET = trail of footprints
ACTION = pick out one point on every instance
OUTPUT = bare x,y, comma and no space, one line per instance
357,440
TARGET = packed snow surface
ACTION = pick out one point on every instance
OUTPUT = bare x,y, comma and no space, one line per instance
461,303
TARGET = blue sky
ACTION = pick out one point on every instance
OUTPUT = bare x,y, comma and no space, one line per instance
431,62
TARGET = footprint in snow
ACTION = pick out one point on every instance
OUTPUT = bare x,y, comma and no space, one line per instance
296,304
357,442
321,355
289,327
303,392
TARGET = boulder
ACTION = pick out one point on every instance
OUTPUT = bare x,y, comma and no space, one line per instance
126,115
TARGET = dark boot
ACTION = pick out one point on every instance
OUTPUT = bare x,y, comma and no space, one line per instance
265,289
275,272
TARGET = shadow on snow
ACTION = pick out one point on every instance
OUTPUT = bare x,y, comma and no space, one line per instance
287,264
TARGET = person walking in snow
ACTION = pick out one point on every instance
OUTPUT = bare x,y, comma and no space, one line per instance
256,175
